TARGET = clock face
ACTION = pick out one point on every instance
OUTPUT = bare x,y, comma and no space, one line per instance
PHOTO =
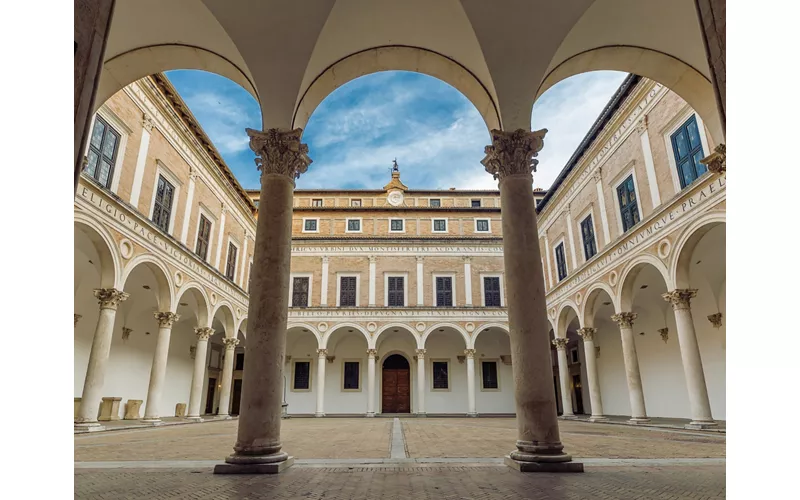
395,198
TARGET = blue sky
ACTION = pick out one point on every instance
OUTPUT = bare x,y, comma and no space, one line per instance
434,132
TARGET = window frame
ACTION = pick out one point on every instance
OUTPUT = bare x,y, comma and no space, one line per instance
359,204
310,374
561,243
453,290
481,276
310,277
316,219
446,225
402,222
437,200
576,359
235,244
124,131
386,277
585,215
339,276
162,170
626,174
347,225
321,202
666,134
360,375
496,362
704,151
446,361
488,220
201,214
472,203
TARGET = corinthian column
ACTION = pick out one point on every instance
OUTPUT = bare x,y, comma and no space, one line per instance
109,299
227,374
587,334
634,378
371,355
563,374
199,373
470,353
322,358
510,159
159,368
690,355
420,382
281,159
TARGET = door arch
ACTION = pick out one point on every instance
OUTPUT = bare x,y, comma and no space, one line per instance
395,385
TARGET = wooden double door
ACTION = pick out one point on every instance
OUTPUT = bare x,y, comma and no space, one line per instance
396,385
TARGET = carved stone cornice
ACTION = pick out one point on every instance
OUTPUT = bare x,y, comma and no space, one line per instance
716,160
513,153
372,353
560,342
322,353
625,319
587,333
664,332
77,317
715,319
280,152
470,353
110,298
230,343
166,319
203,333
420,353
680,298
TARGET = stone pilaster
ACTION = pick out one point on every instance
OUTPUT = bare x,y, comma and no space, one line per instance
227,375
420,382
564,377
372,355
199,372
158,370
593,380
632,374
471,408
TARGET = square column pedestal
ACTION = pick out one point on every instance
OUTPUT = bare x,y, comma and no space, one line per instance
109,409
543,466
255,468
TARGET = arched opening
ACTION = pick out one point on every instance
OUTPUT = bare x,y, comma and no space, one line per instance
300,369
346,372
446,369
494,384
395,385
576,378
597,313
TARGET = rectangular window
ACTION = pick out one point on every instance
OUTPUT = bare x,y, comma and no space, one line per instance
476,203
441,378
347,291
354,225
435,202
444,291
203,238
573,355
302,376
396,295
587,232
239,361
102,154
351,375
491,291
396,225
230,268
316,202
482,226
561,262
310,225
300,292
162,207
355,203
628,207
688,150
489,375
439,225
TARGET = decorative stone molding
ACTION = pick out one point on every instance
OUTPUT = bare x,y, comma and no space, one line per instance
420,326
598,175
126,248
420,353
613,278
371,327
664,332
578,298
203,333
420,259
77,317
230,343
372,353
470,353
461,359
166,319
587,333
715,319
288,358
322,326
280,152
322,353
178,278
467,259
506,359
680,298
126,333
560,342
625,319
147,122
664,247
110,298
469,327
330,358
325,259
513,153
192,351
641,125
716,160
372,259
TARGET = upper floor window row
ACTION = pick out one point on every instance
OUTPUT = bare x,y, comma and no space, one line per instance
688,150
435,202
628,203
587,233
316,202
230,267
561,262
162,207
203,238
102,154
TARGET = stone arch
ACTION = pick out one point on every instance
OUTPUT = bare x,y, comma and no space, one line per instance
103,244
241,322
291,341
673,73
338,326
166,289
485,326
561,321
397,58
624,299
454,326
228,318
687,242
404,326
133,65
199,294
592,294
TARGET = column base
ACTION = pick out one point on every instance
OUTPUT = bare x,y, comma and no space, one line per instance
319,414
571,416
598,418
524,466
370,414
257,464
152,421
638,420
421,414
699,425
472,414
89,427
195,419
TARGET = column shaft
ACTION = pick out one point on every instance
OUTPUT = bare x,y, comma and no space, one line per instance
471,411
322,358
591,374
371,355
159,369
199,372
227,375
632,375
563,375
421,382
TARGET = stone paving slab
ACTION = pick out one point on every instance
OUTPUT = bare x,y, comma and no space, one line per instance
421,483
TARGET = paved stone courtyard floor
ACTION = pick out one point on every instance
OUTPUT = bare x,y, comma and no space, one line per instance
446,458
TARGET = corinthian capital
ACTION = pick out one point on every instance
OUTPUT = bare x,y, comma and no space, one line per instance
625,319
680,298
280,152
230,343
322,353
203,333
166,319
513,153
420,353
560,343
372,353
716,160
109,298
587,334
470,353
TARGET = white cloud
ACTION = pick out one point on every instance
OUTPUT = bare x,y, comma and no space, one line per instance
224,119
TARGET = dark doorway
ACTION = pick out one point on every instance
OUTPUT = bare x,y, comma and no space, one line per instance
559,411
396,385
237,396
576,384
212,386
